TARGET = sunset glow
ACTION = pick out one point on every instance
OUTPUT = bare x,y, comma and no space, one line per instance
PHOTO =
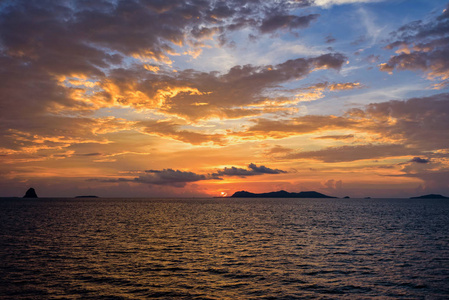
183,99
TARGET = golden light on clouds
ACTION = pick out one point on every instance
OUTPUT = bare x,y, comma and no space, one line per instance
190,100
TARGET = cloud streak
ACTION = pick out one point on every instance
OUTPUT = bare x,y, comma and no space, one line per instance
329,3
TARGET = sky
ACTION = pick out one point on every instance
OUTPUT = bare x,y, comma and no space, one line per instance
203,98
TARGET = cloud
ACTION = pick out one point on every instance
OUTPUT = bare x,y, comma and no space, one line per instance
250,171
289,22
264,170
315,92
420,123
39,133
352,153
334,86
372,58
335,137
44,41
169,177
64,63
344,86
68,65
329,3
417,122
433,172
194,95
434,181
267,128
420,160
333,186
90,154
330,39
177,178
422,46
171,130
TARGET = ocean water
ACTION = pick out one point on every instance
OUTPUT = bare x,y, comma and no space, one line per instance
224,249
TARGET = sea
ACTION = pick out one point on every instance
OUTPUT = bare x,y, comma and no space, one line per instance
61,248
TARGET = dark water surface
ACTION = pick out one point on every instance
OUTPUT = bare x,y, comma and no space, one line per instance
224,249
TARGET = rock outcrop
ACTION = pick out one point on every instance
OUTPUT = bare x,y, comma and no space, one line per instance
31,193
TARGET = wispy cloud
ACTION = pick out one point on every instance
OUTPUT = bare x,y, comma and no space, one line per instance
329,3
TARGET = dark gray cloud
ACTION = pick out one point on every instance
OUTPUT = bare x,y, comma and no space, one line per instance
169,177
420,160
264,170
90,154
422,46
288,22
252,170
177,178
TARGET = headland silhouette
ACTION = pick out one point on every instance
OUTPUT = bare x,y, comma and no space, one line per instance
280,194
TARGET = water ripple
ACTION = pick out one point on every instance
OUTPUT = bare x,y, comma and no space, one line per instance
224,249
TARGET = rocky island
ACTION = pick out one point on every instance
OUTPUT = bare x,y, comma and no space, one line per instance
31,193
280,194
430,196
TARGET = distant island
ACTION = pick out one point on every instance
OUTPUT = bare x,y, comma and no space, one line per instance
31,193
430,196
88,196
280,194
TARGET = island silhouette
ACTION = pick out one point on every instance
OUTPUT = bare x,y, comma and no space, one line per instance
30,193
280,194
430,196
